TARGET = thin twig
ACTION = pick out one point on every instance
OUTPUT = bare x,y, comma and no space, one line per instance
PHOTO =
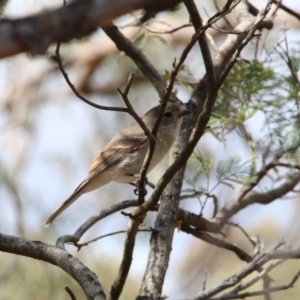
245,41
71,85
129,243
258,177
165,31
216,203
262,292
225,17
235,206
140,60
71,294
241,254
255,264
107,235
92,220
243,231
131,111
167,94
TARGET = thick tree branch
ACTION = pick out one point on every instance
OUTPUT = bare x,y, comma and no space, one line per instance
197,221
241,254
235,206
58,257
162,236
286,9
77,19
202,100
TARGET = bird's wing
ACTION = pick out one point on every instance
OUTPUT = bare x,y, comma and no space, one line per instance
119,146
108,157
116,150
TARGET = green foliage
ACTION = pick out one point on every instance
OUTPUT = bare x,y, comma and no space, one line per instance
228,171
240,96
202,170
232,170
281,109
255,88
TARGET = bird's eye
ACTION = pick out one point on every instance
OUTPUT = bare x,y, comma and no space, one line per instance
168,114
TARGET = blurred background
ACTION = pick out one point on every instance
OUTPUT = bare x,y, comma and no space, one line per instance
49,138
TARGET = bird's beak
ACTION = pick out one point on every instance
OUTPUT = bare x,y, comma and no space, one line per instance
184,113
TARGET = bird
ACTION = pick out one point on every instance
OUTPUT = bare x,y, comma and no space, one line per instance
121,160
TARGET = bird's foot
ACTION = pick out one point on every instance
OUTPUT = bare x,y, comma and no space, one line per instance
138,191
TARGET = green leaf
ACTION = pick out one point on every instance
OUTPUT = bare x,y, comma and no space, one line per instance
233,170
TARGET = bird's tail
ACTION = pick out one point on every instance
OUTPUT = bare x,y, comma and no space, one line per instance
92,182
61,208
81,189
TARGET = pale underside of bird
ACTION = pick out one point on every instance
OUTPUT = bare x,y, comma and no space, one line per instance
121,160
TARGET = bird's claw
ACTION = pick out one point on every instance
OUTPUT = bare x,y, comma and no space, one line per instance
138,191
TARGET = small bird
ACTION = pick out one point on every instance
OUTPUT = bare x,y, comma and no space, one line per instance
122,159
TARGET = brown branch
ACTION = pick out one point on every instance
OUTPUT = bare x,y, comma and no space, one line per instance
159,83
286,165
198,222
265,291
286,9
198,24
138,214
58,257
241,254
165,31
172,170
190,219
133,228
106,235
234,294
92,220
225,18
235,206
258,177
256,263
259,23
132,112
243,231
71,294
215,201
246,285
233,42
75,20
203,100
71,85
151,139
